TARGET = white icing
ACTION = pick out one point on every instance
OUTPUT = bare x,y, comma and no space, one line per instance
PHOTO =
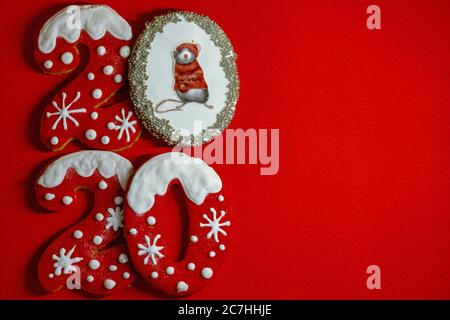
49,196
108,70
63,113
85,163
111,125
101,50
67,200
105,139
118,78
48,64
215,225
99,217
96,93
197,178
123,258
154,274
94,115
125,125
94,264
78,234
90,76
151,220
112,267
97,240
90,134
126,275
67,58
191,266
170,270
118,200
90,278
182,286
194,239
109,284
124,51
220,198
64,262
150,249
133,231
212,254
115,219
54,140
207,273
102,185
222,247
96,20
51,275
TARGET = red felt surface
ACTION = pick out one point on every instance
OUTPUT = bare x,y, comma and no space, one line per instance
364,125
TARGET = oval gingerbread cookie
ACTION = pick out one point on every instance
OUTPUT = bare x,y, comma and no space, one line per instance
146,230
90,254
76,112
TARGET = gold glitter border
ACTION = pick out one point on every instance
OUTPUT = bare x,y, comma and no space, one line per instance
137,77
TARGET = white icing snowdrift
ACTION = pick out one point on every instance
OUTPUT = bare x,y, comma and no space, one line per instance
85,163
96,20
197,178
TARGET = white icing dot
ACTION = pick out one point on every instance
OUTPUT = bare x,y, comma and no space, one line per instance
123,258
102,185
94,115
49,196
90,134
170,270
124,51
212,254
99,217
118,78
97,240
105,139
50,275
94,264
194,239
54,141
101,50
118,200
67,58
220,198
126,275
96,93
207,273
111,125
154,274
77,234
222,247
182,286
108,70
133,231
48,64
109,284
112,267
151,220
67,200
90,76
191,266
90,278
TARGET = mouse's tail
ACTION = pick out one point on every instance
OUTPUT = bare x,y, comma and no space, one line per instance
177,108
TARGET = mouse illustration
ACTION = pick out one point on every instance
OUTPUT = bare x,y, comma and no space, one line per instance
189,81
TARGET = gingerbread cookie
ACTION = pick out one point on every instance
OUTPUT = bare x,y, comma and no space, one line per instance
89,253
146,229
75,112
183,78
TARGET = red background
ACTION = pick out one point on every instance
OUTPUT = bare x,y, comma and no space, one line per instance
364,125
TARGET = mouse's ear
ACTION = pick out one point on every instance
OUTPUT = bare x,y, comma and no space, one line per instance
174,53
199,47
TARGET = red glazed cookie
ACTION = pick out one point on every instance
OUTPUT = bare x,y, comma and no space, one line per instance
74,113
146,231
85,249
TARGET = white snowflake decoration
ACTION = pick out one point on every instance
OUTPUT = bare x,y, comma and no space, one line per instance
215,224
65,262
125,125
115,219
151,250
63,113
